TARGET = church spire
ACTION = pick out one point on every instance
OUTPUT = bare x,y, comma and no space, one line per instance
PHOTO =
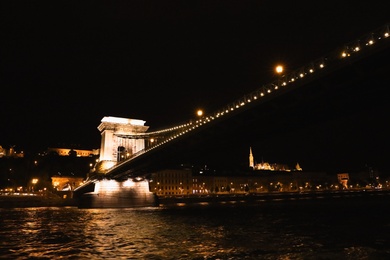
298,167
251,162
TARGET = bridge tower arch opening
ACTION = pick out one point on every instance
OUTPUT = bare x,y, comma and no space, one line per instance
119,139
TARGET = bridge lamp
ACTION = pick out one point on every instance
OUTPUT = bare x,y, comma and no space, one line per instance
151,141
279,69
199,113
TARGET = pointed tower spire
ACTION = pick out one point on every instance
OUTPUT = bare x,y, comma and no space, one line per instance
251,162
298,167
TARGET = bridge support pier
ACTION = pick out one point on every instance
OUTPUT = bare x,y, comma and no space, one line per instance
118,194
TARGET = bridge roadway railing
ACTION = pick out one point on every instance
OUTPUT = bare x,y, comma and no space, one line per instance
343,56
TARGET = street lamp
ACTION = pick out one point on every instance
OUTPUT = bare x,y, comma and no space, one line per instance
34,182
279,69
151,142
199,113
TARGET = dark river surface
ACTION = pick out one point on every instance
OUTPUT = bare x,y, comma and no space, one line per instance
354,228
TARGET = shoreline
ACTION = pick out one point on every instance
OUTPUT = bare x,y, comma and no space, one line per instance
258,198
20,201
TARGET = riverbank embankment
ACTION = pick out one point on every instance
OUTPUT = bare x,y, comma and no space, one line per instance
256,198
26,201
33,200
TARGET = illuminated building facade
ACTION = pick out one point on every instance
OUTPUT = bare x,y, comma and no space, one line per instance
10,152
172,182
185,182
266,166
343,179
66,183
78,152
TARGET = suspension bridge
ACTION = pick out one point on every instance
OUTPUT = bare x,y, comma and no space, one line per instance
361,60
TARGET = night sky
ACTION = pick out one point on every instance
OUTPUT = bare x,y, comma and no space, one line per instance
67,64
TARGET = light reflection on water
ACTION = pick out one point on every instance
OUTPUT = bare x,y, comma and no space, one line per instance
295,230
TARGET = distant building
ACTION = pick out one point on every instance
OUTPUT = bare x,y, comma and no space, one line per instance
172,182
266,166
70,151
3,152
66,183
184,182
343,179
11,152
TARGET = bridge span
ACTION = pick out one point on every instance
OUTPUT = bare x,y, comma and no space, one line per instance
136,152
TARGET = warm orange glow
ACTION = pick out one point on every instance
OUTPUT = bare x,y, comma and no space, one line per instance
199,112
279,69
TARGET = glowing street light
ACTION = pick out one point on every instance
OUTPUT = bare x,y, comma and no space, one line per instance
199,113
279,69
151,141
34,182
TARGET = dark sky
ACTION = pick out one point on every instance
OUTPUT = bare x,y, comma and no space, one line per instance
67,64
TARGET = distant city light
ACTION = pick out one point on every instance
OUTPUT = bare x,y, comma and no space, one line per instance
199,112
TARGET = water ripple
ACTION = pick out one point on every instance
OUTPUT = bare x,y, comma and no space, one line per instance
299,232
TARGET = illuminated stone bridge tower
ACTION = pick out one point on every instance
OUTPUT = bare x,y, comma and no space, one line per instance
116,144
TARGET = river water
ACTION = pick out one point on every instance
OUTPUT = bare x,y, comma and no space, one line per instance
311,229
